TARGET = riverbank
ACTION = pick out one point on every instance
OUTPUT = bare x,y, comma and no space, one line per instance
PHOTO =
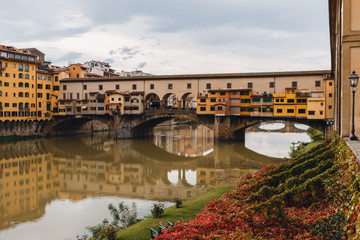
187,211
314,196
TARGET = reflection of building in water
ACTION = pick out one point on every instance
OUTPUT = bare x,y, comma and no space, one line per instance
27,183
214,178
185,141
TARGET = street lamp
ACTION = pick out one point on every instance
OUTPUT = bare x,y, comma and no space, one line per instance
354,79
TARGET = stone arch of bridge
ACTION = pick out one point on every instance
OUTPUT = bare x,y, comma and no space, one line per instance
319,125
187,101
144,127
170,101
152,101
70,123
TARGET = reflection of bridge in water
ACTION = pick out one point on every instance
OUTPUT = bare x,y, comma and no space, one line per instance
285,127
42,170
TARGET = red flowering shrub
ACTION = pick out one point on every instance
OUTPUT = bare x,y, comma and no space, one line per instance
294,200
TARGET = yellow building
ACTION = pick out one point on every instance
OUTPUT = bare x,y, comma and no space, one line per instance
18,84
77,71
205,103
116,102
284,104
28,91
316,105
329,92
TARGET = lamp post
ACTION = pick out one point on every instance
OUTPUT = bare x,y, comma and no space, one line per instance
354,79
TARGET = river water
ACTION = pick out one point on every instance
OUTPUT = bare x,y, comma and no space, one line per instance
54,188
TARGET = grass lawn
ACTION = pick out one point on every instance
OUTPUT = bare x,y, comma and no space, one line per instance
313,144
188,210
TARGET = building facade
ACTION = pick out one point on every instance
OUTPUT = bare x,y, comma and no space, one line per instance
345,54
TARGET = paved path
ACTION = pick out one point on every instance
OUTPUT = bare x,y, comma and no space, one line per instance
354,146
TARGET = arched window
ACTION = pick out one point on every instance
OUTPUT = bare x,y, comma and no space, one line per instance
27,106
26,68
27,94
0,93
21,94
0,83
56,79
21,106
21,84
21,67
27,85
21,75
0,74
26,76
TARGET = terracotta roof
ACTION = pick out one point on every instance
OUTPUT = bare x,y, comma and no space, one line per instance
200,76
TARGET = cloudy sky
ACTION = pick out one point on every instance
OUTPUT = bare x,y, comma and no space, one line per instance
174,36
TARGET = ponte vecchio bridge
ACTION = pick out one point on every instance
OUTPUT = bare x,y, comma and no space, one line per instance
180,87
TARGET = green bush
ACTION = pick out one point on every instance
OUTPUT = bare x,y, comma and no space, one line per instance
178,202
157,210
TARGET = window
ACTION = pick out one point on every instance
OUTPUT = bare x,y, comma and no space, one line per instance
317,83
256,100
271,84
208,86
71,96
56,79
189,86
290,111
39,95
203,100
78,96
47,86
152,86
64,87
290,100
39,86
294,84
84,87
21,67
26,68
301,111
203,109
311,112
330,94
212,99
134,86
250,85
100,87
330,83
279,110
117,86
26,76
228,85
330,107
321,112
21,84
170,86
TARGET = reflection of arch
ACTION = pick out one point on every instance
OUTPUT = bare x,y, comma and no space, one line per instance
170,101
188,101
152,101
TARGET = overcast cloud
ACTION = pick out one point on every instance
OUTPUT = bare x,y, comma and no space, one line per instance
174,37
